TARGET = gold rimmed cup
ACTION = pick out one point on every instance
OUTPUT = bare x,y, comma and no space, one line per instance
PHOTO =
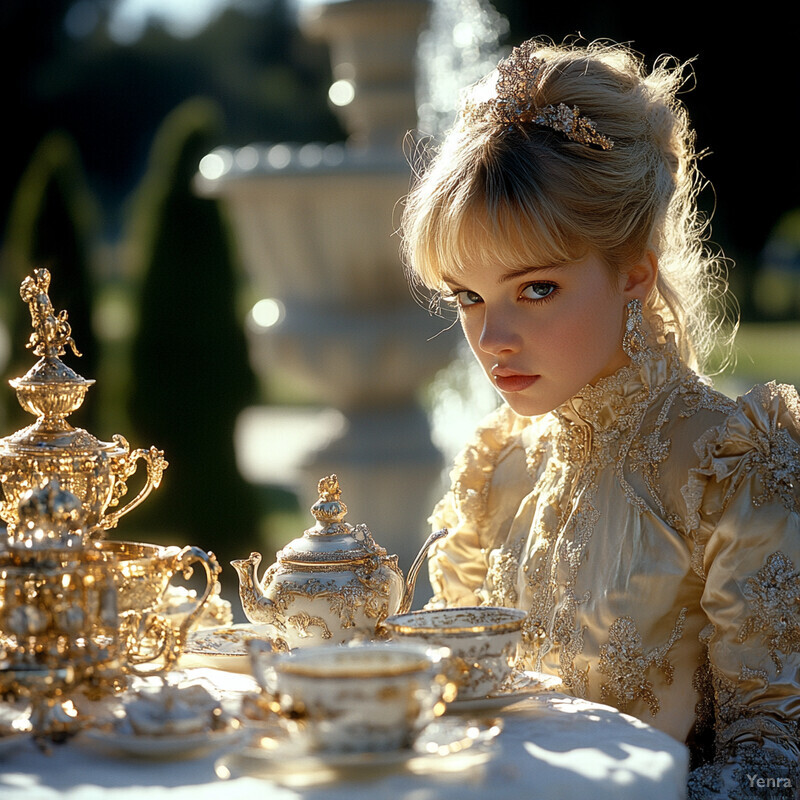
483,641
363,697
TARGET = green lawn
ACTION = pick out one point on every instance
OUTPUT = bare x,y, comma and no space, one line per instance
763,352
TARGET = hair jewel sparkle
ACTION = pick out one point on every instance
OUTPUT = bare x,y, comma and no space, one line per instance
513,102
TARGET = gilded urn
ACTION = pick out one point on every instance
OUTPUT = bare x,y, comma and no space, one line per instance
51,448
331,585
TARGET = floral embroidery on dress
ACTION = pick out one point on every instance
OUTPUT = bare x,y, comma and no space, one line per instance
753,439
758,774
699,396
502,575
778,463
474,466
649,451
624,660
774,597
570,640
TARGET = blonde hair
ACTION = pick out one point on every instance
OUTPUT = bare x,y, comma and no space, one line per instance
525,193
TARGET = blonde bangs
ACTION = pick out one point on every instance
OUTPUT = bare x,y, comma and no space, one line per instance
484,230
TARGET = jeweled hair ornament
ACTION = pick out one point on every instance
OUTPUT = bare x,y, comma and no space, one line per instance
512,104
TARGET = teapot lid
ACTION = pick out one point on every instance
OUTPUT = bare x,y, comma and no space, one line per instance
331,540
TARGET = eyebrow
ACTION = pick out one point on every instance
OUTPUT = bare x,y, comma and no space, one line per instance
523,271
510,275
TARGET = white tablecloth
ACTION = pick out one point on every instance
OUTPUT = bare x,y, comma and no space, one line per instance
551,746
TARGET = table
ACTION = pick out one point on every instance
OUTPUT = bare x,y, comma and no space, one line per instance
551,746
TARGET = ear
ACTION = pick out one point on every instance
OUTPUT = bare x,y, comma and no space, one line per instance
640,278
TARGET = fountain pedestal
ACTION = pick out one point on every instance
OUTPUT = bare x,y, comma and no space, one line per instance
315,226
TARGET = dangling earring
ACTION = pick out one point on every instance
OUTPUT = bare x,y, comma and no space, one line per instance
634,342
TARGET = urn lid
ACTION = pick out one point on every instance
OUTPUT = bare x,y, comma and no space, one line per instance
331,540
51,390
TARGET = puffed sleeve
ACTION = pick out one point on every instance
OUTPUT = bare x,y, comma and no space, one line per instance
488,479
744,506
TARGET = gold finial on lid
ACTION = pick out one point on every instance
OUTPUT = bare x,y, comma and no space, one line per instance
52,334
329,510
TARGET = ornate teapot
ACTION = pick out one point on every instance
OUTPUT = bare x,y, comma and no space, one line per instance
331,585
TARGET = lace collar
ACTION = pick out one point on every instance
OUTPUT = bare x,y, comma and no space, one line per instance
616,401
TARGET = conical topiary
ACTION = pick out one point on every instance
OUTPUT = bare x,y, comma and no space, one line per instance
190,375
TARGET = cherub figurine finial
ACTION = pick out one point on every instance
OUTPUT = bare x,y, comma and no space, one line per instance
52,333
328,488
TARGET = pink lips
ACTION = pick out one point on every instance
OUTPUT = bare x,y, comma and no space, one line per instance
507,380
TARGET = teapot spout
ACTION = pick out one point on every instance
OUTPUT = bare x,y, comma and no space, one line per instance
413,571
257,607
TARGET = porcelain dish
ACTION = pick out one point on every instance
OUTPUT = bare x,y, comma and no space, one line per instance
224,647
519,686
122,739
281,759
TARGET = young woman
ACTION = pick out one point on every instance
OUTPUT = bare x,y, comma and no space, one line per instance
649,525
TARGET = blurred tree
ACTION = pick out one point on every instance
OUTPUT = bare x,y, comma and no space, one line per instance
190,371
777,290
30,35
52,224
269,82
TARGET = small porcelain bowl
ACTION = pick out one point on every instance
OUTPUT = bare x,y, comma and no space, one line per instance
483,642
172,710
358,698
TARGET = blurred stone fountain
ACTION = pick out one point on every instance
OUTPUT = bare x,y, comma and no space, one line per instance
315,227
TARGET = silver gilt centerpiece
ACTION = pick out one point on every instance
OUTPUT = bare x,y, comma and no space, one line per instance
51,448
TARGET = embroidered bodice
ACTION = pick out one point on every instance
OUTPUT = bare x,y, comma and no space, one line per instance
650,528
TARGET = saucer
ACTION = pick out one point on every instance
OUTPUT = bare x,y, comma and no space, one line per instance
520,686
463,742
223,648
121,739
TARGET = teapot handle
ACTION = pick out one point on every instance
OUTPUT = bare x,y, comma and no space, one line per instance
411,575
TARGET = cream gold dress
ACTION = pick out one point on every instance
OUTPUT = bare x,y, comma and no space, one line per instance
651,528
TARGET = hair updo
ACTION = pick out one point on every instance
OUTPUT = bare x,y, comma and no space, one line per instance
524,193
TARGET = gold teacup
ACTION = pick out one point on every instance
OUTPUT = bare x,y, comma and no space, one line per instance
144,572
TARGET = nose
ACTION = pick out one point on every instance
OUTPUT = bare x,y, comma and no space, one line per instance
499,334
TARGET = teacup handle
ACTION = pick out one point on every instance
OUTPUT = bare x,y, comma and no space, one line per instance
156,464
184,562
262,654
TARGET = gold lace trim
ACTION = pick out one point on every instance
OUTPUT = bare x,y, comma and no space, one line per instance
774,598
502,575
626,663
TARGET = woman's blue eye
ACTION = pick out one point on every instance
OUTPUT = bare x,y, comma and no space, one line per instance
538,291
